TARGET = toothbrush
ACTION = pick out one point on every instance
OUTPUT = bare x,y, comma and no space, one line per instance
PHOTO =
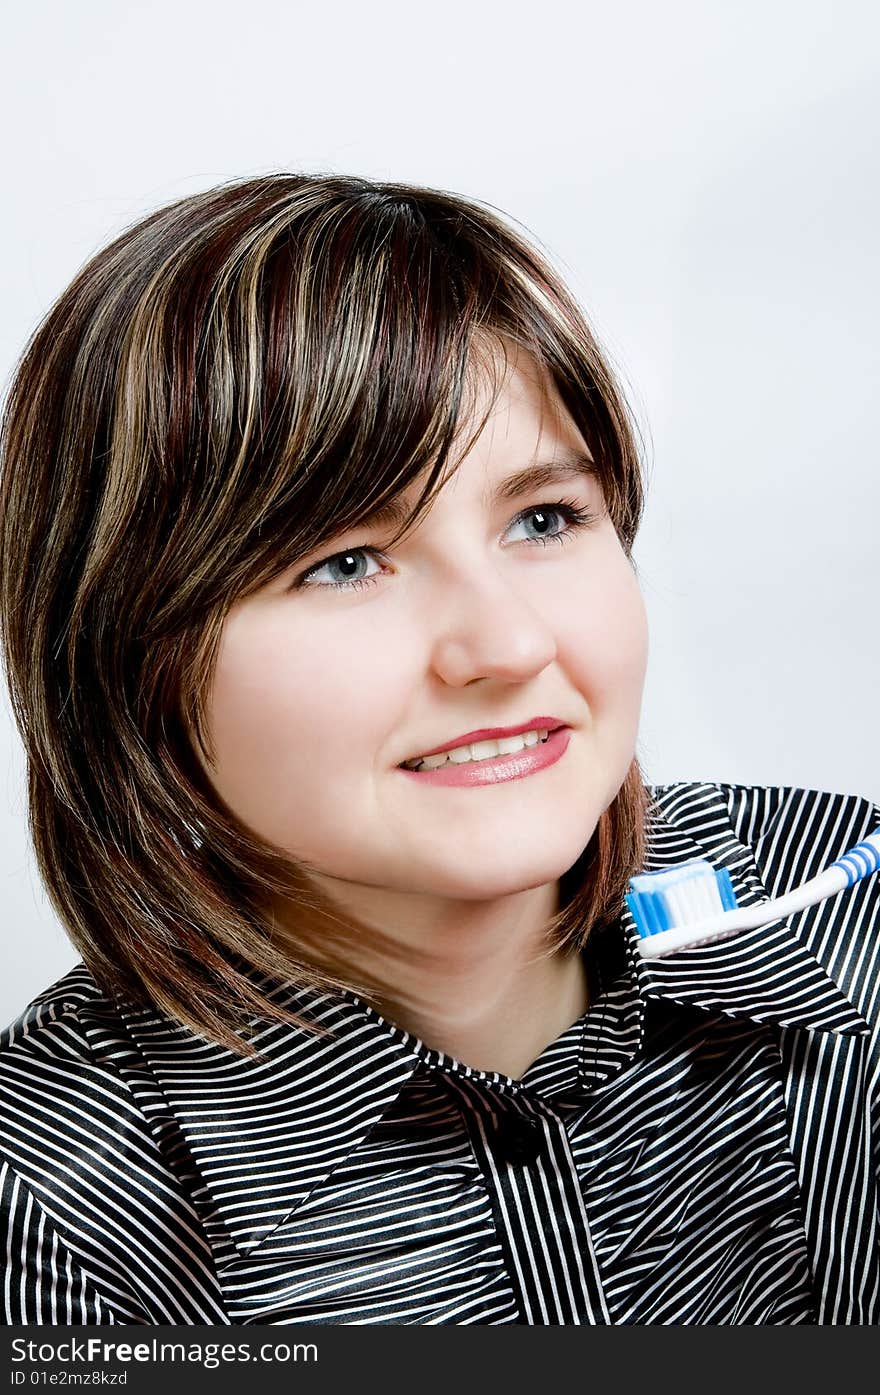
694,904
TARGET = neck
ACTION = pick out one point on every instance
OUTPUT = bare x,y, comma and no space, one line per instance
474,980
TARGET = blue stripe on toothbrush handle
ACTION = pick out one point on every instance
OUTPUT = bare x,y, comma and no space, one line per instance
859,862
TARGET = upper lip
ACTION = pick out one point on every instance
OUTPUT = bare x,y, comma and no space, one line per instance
493,734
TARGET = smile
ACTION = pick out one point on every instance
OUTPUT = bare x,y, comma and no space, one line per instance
478,750
491,762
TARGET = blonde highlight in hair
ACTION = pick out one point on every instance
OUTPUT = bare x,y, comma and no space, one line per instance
237,378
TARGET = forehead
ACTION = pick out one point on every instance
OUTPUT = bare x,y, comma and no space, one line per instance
514,434
560,467
502,377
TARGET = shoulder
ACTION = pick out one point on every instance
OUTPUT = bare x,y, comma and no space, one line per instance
51,1023
89,1188
59,1030
74,1086
62,1067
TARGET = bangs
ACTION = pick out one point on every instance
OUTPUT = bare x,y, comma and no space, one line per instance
331,364
373,337
374,356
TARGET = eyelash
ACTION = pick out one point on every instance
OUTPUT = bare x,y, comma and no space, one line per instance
577,519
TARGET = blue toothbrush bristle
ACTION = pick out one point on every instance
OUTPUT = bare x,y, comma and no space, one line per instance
679,896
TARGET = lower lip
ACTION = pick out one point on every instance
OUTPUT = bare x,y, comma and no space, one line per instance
492,772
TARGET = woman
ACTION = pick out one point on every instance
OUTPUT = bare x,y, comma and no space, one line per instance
307,482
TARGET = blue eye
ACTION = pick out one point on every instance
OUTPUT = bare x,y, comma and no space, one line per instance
343,560
574,517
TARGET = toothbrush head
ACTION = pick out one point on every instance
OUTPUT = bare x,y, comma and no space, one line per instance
677,898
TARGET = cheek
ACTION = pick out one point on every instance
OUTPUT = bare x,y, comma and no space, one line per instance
289,706
604,633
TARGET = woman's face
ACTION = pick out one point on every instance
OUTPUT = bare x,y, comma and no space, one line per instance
491,612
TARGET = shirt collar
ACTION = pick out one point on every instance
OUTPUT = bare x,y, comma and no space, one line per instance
767,974
263,1135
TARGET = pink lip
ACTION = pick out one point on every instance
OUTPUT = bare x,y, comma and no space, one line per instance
493,772
493,734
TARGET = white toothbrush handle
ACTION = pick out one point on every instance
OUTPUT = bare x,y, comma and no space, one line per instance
859,862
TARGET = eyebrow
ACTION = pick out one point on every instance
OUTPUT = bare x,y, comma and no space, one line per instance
568,464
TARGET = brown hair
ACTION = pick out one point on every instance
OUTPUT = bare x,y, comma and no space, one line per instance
237,378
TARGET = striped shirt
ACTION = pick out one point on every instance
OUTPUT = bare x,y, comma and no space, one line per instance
700,1147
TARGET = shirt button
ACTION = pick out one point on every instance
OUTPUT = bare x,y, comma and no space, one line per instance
517,1139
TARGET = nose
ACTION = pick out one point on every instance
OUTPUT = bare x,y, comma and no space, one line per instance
487,630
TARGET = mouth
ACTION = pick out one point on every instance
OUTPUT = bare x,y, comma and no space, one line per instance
476,767
477,752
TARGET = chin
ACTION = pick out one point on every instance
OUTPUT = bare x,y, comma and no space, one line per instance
488,883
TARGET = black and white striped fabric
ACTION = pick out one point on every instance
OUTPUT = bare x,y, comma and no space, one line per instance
701,1147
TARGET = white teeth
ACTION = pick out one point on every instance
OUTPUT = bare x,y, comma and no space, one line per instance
508,744
460,754
478,750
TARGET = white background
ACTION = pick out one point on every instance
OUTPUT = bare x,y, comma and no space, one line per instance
705,177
